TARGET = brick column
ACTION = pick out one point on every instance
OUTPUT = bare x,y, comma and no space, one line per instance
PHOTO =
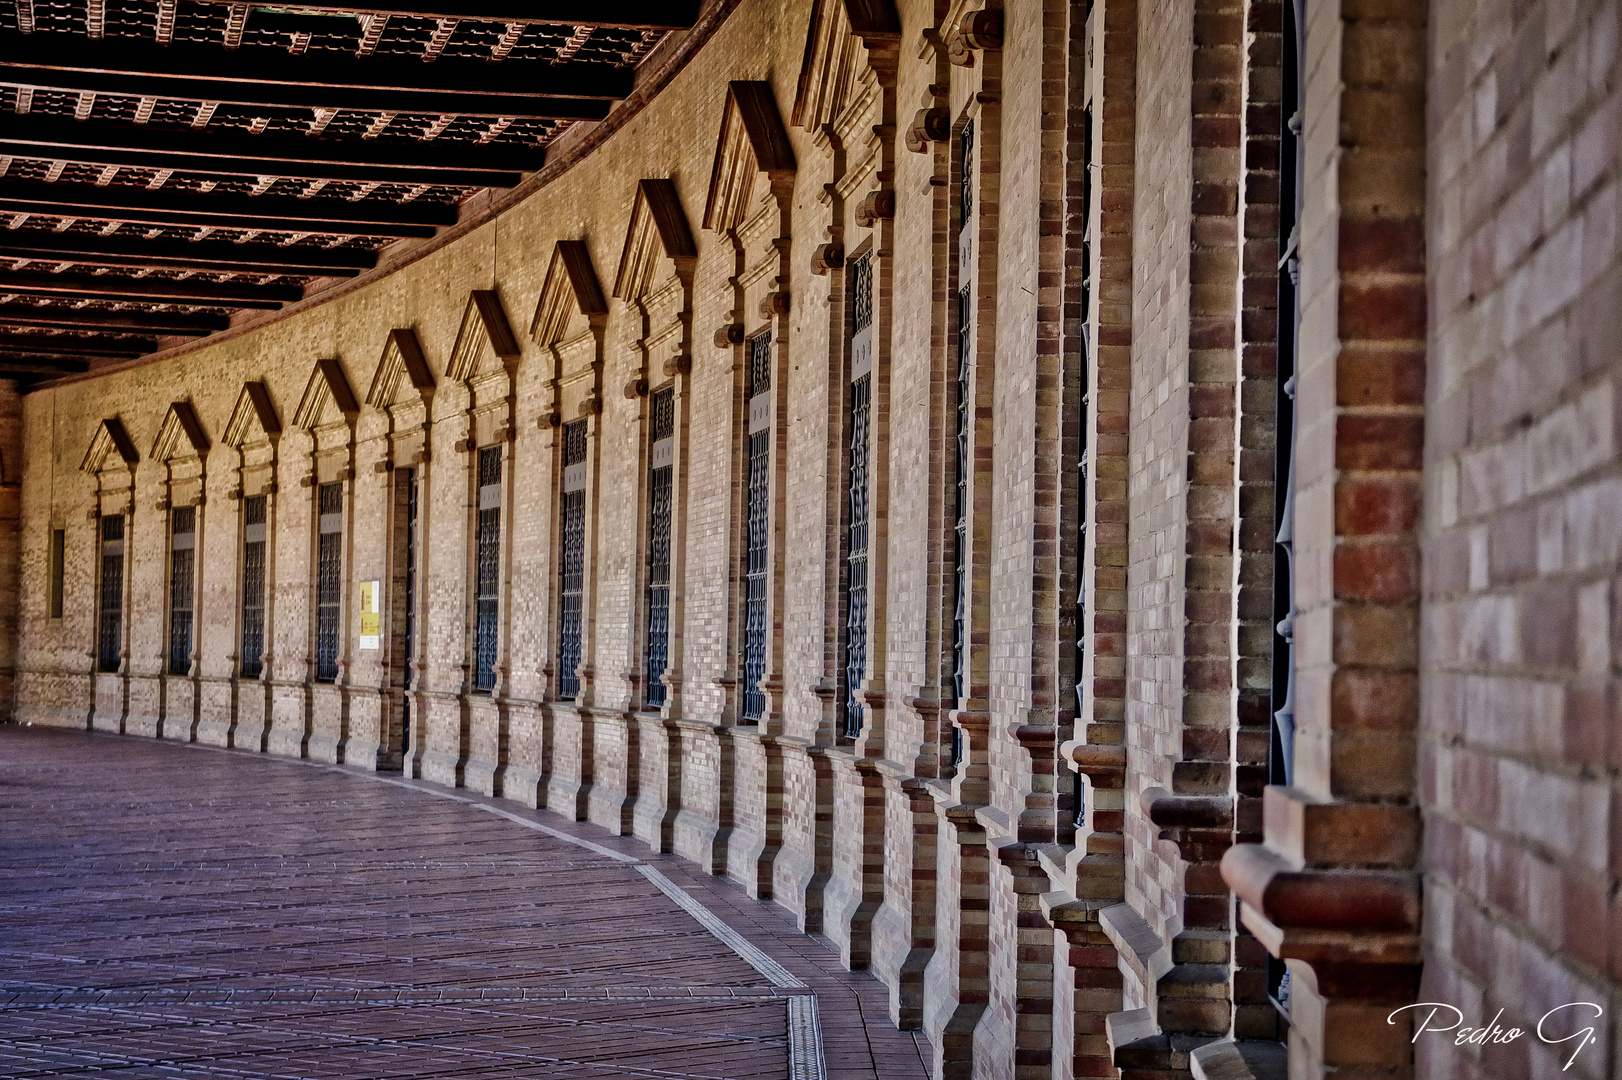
1098,265
1332,889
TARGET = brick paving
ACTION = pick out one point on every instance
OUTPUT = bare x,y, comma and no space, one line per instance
181,912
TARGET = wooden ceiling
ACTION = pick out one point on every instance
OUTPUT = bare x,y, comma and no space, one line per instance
164,163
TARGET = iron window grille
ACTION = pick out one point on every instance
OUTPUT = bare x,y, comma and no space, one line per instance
965,361
1078,802
488,585
856,527
253,586
661,463
109,638
182,562
1281,743
329,581
409,645
572,571
757,520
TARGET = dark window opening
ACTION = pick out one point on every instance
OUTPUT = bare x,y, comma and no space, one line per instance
757,521
661,458
573,564
409,638
1281,744
488,586
1084,503
182,586
109,639
965,361
253,586
59,545
329,581
861,387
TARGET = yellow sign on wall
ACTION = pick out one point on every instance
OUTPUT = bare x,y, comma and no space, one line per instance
371,619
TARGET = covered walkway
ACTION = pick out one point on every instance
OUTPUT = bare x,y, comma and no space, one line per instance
182,912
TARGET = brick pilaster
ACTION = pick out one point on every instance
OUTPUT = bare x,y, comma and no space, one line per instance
1349,826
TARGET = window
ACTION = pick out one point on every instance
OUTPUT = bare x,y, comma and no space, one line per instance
661,461
58,551
861,386
1078,802
182,586
253,586
571,575
329,580
756,525
487,591
408,479
965,361
1292,157
110,636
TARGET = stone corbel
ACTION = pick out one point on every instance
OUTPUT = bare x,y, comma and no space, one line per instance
549,420
827,257
774,304
1332,920
635,388
680,364
876,206
591,406
929,125
976,32
729,335
1200,825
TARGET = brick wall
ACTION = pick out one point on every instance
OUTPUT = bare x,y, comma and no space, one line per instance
1521,548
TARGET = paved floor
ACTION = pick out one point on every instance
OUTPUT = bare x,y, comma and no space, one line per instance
181,912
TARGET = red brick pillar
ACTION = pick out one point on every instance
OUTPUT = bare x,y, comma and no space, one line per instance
1102,118
1333,888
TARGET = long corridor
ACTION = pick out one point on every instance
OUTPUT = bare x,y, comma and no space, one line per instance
176,911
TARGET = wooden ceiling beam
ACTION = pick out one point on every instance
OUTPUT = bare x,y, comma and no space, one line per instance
282,95
142,147
76,344
187,220
155,290
262,71
373,217
183,254
626,14
152,322
43,364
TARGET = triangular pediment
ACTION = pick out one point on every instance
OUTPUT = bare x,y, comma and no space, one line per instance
401,365
752,141
180,434
254,407
484,329
110,438
328,386
836,50
571,289
658,227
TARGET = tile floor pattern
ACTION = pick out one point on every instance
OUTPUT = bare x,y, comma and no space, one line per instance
180,912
